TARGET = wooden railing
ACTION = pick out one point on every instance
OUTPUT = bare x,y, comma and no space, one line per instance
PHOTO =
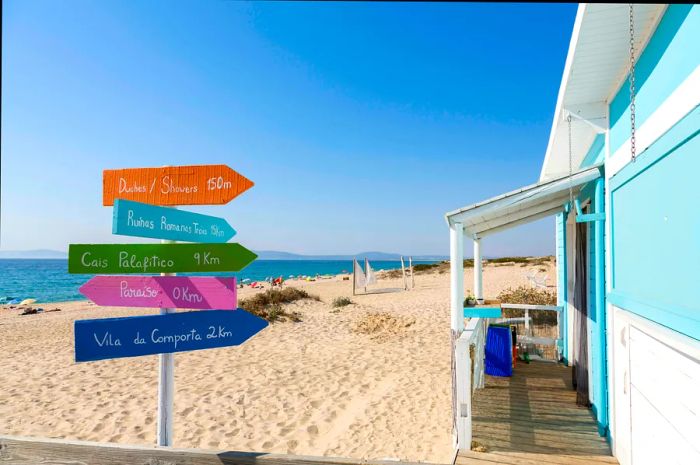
22,450
469,361
469,366
528,337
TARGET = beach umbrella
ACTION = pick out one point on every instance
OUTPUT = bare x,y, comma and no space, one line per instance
27,301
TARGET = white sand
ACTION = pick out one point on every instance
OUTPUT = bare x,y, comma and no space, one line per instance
318,387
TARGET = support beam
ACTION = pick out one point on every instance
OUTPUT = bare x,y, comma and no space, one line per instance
519,212
593,114
530,219
601,383
457,277
478,283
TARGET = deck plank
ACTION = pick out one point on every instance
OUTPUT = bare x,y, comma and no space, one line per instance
532,418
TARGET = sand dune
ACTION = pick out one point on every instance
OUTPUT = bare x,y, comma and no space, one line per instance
371,380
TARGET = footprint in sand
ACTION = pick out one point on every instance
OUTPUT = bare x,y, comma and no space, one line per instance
312,430
187,411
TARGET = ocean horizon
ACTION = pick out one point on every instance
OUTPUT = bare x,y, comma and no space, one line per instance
47,279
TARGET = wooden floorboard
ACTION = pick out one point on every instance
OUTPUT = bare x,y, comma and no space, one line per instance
532,418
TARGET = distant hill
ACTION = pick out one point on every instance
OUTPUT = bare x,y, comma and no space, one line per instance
262,255
38,253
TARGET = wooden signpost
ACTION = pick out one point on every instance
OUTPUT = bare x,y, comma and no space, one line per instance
174,185
219,324
162,292
144,220
158,334
156,258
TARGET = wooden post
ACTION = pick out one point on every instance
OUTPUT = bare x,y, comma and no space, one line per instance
410,267
403,272
457,277
559,345
463,367
478,283
366,275
527,322
166,387
353,276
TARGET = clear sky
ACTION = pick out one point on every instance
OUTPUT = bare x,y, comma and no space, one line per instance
360,124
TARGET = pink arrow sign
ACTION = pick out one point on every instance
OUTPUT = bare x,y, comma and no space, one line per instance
162,292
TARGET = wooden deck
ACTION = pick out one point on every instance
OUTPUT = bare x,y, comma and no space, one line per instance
532,418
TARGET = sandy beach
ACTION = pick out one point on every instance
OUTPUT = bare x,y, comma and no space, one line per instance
370,380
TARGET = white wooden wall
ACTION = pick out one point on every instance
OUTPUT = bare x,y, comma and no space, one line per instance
656,383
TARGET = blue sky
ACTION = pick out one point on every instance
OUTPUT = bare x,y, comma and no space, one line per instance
361,124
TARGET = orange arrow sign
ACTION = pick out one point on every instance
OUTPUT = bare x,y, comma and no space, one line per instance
174,185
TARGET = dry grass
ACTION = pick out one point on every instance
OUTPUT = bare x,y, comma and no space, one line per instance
269,304
383,326
428,268
341,302
530,296
444,266
522,261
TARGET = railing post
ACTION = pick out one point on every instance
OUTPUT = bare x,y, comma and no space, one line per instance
478,272
527,322
558,336
478,354
464,393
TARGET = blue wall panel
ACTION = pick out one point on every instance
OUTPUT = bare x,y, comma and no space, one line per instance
669,57
596,153
655,205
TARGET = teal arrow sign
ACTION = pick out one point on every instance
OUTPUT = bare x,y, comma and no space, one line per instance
144,220
157,258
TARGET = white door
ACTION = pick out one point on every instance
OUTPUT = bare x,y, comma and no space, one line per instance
657,406
621,386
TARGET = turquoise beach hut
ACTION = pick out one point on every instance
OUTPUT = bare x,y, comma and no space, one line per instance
620,176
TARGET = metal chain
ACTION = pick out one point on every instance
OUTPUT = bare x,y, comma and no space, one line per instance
571,190
633,133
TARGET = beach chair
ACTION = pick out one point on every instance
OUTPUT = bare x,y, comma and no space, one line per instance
537,281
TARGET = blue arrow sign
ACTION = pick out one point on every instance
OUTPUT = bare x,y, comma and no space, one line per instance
157,334
144,220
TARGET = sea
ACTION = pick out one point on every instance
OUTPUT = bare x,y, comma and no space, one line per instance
47,280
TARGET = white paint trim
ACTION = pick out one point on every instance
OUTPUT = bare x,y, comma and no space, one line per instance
457,277
683,99
564,82
622,79
625,323
551,308
464,393
478,272
677,341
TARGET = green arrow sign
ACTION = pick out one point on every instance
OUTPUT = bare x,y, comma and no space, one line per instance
157,258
